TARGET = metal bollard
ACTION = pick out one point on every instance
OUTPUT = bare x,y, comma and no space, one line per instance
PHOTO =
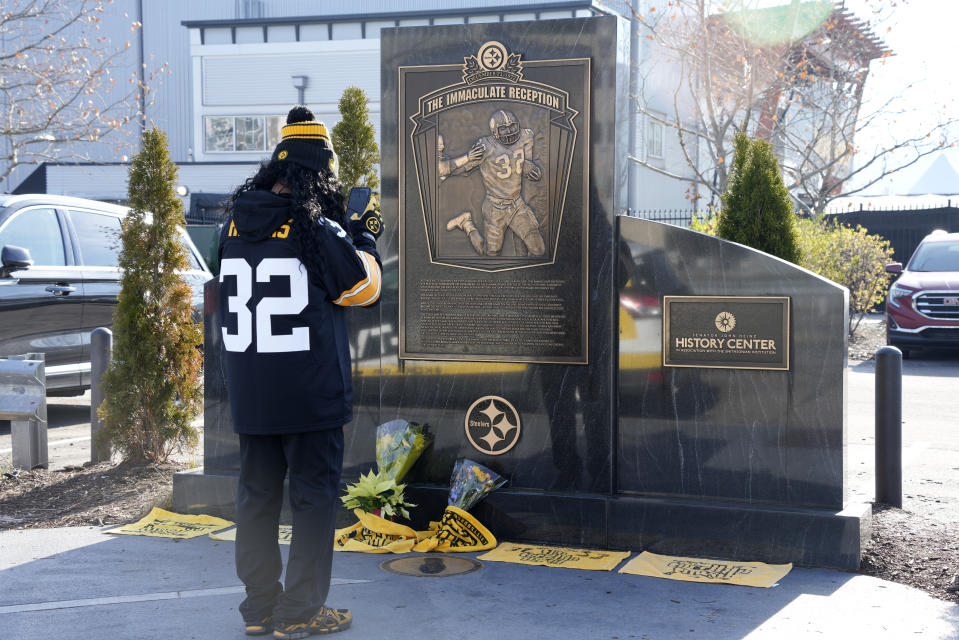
101,352
23,401
889,426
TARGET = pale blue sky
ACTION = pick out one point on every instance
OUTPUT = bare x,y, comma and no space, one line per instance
924,39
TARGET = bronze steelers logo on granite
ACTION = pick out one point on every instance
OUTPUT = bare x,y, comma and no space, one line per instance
492,425
492,56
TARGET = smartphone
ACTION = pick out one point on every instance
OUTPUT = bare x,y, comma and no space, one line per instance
356,204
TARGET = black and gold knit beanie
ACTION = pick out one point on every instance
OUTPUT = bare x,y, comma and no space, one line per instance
306,141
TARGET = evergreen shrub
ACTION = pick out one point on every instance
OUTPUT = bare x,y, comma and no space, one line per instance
757,210
354,140
153,386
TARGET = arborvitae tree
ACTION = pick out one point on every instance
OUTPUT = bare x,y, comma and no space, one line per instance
152,388
757,210
354,140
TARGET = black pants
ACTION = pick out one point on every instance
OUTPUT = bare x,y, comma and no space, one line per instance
314,460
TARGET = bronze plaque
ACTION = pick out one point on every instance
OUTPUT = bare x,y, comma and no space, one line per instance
493,186
731,332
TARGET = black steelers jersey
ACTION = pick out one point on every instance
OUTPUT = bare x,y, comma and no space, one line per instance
283,330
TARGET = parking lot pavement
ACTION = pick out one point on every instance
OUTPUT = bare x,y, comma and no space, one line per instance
930,441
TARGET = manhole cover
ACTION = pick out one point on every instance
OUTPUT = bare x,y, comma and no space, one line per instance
431,566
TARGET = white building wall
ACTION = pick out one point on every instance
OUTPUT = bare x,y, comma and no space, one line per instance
250,77
260,74
167,40
247,76
109,182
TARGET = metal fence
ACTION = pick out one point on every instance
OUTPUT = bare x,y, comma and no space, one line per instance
903,228
677,217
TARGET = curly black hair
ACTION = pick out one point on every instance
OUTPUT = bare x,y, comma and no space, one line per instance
314,194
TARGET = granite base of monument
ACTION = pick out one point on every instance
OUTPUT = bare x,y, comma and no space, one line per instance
670,526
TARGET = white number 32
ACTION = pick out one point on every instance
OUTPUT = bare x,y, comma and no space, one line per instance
267,307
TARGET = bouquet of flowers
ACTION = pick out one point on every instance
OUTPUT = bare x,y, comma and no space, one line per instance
471,482
398,446
377,494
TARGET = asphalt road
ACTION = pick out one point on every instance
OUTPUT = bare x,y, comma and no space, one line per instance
930,434
68,435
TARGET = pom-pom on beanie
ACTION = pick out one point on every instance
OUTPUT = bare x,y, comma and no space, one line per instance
306,141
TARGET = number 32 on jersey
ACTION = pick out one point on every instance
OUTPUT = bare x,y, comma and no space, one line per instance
267,307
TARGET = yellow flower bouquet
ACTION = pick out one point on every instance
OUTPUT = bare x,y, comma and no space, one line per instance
399,445
471,482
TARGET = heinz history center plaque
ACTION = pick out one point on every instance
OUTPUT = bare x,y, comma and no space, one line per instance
726,331
493,216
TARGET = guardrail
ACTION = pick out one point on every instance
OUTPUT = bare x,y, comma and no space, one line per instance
23,401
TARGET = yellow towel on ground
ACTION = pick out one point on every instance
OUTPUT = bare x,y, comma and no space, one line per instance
165,524
565,557
457,531
373,534
284,537
749,574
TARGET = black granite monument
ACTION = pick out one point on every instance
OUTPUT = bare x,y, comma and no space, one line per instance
642,386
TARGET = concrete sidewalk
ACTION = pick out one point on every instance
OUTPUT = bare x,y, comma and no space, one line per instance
80,583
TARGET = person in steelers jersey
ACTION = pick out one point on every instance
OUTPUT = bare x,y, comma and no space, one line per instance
291,261
504,158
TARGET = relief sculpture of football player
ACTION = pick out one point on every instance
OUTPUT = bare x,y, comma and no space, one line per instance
504,158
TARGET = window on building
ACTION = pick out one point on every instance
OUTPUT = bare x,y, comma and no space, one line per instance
274,128
242,133
249,133
654,138
219,134
38,231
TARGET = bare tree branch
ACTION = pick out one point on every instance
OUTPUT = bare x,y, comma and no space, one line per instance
58,82
792,74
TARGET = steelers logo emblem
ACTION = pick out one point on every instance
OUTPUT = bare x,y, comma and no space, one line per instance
373,224
725,321
492,425
492,56
282,155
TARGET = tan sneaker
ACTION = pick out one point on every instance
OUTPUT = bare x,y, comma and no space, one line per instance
326,620
460,221
260,627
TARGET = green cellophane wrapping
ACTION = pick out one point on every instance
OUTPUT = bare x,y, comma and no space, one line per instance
399,445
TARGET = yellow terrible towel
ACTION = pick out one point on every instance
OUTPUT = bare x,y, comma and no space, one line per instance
457,531
284,537
749,574
565,557
165,524
373,534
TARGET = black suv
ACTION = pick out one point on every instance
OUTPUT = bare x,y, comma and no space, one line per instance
52,304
